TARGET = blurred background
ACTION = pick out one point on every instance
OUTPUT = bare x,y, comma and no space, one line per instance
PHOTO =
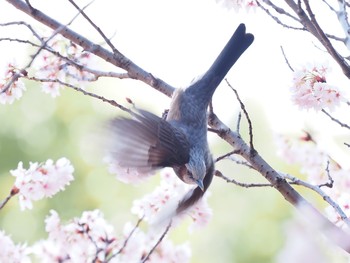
175,41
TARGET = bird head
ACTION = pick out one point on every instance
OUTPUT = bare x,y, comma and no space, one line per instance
196,171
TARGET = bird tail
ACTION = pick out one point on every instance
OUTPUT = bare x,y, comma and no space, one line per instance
235,47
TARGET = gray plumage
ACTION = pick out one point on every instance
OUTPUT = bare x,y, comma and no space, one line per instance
149,142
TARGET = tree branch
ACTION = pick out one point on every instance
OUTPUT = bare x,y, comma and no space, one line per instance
313,27
337,235
117,59
319,191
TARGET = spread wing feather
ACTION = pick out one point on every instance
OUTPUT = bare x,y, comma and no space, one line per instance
147,142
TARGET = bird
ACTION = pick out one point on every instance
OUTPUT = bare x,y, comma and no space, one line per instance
148,142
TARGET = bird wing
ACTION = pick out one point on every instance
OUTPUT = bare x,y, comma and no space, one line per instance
148,142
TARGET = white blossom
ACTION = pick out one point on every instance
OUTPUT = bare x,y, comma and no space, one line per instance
10,252
41,180
15,90
310,89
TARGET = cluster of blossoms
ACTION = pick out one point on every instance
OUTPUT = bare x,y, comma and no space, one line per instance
316,164
237,5
303,235
90,238
66,63
310,89
10,252
125,175
304,152
41,180
11,87
161,204
52,67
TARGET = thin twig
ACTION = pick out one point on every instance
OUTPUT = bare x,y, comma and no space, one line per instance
105,38
35,34
286,59
87,93
230,157
324,196
336,120
158,242
96,73
330,179
239,118
126,240
210,112
241,162
13,192
21,41
280,11
340,39
329,6
29,4
276,19
84,228
245,185
224,156
250,125
5,201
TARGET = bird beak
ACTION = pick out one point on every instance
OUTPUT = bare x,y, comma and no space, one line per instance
200,184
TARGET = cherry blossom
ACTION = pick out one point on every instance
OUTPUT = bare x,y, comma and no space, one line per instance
237,5
343,201
301,238
10,252
313,162
200,213
304,152
90,238
41,180
160,206
83,239
125,175
53,67
310,89
168,252
141,243
15,89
